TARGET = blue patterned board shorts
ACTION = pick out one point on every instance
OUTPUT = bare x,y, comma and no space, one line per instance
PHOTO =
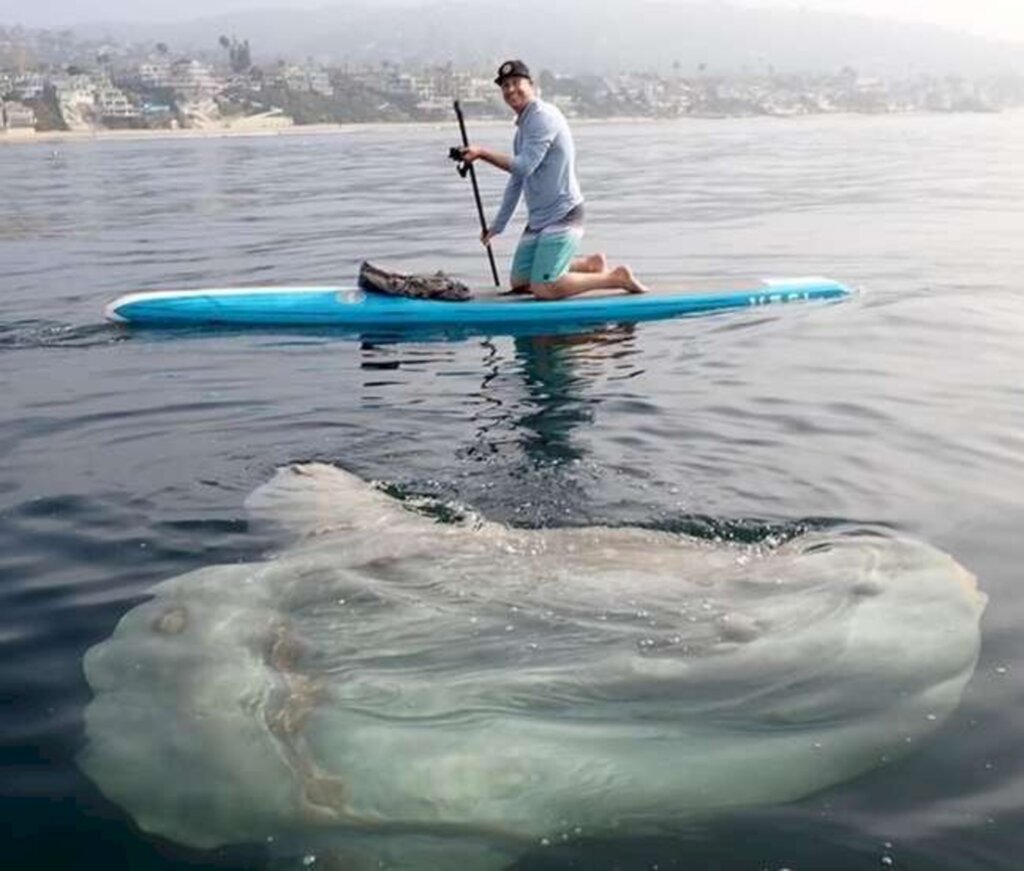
544,255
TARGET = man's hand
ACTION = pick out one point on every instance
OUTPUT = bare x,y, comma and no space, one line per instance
486,236
472,153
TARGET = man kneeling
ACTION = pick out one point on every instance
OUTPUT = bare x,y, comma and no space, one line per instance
543,167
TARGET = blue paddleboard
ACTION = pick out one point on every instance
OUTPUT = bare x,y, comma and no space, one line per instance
350,307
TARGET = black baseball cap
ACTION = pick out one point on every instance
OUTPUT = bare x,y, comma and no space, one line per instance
511,69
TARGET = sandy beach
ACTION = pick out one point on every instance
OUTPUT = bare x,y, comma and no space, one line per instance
29,136
256,126
22,137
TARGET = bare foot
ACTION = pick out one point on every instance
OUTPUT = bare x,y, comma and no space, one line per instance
627,280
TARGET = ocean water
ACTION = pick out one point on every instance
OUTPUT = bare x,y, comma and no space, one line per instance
125,456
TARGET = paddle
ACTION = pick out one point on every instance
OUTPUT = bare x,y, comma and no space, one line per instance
456,154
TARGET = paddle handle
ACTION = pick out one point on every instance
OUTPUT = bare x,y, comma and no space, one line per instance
476,193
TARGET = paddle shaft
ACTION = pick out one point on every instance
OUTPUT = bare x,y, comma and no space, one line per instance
476,193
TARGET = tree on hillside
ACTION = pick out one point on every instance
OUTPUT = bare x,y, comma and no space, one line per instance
239,57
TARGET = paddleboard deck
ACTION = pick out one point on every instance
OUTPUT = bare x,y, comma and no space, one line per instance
351,307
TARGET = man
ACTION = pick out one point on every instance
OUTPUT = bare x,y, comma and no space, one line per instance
543,166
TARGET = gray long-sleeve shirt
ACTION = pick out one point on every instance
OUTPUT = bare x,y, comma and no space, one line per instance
543,166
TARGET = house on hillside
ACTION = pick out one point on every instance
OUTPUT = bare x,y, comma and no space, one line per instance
17,116
113,104
156,73
29,86
194,79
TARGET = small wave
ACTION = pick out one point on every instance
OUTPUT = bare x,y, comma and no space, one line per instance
28,335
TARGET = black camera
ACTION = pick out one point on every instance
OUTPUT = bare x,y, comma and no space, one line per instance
455,154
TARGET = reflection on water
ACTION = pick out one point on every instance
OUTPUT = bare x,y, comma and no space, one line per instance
555,383
553,375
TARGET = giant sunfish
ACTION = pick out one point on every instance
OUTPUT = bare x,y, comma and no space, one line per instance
434,695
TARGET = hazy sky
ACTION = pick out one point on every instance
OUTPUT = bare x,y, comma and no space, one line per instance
995,18
1002,19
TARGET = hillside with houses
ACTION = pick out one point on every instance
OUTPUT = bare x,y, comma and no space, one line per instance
51,82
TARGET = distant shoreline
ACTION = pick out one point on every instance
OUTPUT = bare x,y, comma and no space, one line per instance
244,130
20,138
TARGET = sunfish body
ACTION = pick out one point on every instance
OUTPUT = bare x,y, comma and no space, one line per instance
432,694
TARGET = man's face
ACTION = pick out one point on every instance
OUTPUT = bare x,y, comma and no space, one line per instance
517,92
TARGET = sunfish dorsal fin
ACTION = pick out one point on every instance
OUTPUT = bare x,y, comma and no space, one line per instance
313,498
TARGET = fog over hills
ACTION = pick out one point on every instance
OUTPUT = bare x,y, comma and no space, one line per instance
572,36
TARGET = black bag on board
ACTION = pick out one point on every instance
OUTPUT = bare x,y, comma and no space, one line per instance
436,286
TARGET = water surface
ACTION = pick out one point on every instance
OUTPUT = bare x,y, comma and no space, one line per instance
125,456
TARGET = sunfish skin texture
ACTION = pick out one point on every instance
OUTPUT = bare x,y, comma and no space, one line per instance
427,694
